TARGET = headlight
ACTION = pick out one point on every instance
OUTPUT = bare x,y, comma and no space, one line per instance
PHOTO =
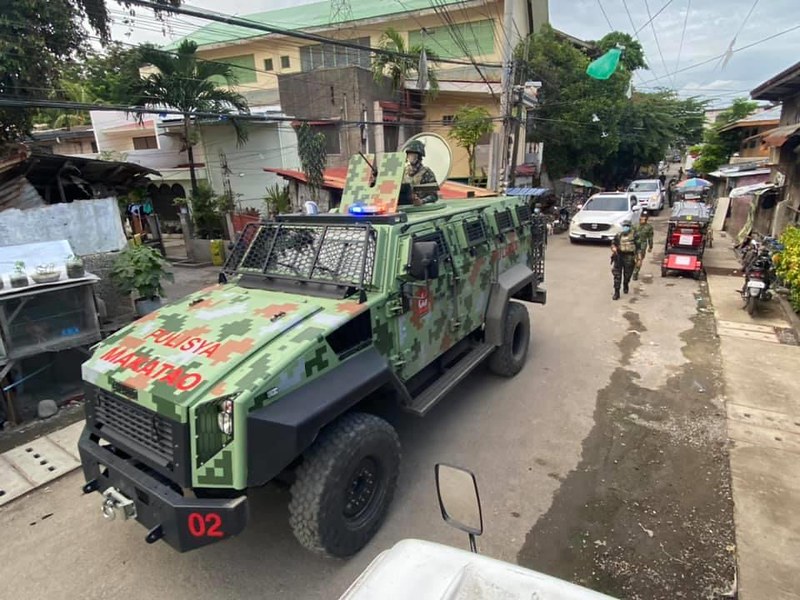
225,416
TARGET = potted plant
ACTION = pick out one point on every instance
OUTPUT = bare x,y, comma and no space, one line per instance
75,267
19,278
141,269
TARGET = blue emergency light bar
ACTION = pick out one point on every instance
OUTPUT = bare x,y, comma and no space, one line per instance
364,209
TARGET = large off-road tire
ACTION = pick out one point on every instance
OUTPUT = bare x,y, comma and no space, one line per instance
509,358
345,485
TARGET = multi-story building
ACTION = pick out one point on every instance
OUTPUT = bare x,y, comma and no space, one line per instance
468,30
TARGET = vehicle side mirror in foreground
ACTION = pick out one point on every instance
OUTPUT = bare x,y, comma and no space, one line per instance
424,261
459,501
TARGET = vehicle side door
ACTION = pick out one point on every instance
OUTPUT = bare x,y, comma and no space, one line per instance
422,327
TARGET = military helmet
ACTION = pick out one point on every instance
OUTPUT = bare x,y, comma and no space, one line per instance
645,213
417,147
626,222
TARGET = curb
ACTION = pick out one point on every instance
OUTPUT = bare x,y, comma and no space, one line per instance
791,316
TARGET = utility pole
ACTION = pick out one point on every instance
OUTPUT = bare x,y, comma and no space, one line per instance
507,83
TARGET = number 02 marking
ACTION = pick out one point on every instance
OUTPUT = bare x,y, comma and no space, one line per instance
207,525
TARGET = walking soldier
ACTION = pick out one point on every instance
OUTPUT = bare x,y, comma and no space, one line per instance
623,257
645,243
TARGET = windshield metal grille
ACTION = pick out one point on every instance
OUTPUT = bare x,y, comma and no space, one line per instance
341,254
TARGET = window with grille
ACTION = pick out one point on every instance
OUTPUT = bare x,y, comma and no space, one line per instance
523,214
503,220
438,237
321,56
477,38
268,66
148,142
448,119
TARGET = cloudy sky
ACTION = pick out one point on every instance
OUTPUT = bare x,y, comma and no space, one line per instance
710,29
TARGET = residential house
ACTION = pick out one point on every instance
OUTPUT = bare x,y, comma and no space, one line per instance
76,140
784,143
156,142
751,130
474,30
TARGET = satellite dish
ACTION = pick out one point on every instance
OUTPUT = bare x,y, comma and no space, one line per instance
438,156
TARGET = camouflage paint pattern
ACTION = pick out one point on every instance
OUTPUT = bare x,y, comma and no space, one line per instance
383,191
256,346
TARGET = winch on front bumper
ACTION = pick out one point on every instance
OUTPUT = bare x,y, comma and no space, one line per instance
131,490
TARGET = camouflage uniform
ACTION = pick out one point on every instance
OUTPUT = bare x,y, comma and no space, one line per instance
624,260
645,233
419,174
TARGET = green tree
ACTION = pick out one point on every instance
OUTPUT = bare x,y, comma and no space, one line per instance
187,83
402,68
650,125
312,153
718,145
632,52
36,38
578,117
470,124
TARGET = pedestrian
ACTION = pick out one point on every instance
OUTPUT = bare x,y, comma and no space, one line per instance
644,233
623,257
680,173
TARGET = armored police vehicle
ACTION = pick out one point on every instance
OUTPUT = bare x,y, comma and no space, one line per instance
277,373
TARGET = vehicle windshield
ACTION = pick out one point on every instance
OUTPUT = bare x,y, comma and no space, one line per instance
643,186
607,203
335,253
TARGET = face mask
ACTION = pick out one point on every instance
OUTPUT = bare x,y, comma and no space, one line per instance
626,229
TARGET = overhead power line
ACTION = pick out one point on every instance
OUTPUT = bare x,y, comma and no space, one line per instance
658,44
603,10
650,20
683,35
312,37
717,57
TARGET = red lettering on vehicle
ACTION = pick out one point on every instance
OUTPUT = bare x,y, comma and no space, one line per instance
113,354
208,525
189,382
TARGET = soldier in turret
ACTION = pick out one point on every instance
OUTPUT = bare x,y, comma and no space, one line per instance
418,174
623,257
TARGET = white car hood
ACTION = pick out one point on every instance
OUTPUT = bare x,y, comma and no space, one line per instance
600,216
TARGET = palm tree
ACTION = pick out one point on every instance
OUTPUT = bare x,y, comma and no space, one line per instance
186,82
401,68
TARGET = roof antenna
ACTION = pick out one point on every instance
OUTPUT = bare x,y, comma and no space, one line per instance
371,164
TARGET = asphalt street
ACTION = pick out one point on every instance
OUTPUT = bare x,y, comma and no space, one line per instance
522,437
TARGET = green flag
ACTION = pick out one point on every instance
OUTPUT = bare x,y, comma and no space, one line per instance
604,67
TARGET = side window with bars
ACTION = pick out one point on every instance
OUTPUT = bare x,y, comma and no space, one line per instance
474,232
503,221
441,243
523,214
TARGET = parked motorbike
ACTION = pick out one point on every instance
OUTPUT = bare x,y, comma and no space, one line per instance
758,273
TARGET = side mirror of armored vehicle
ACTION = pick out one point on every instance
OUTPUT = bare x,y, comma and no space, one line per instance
424,261
459,500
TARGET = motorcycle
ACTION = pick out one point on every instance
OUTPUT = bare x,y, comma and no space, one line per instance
758,276
562,219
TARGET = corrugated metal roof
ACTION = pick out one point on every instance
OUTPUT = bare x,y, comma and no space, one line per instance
528,191
19,193
305,16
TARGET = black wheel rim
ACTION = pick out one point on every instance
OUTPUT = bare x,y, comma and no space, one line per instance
363,490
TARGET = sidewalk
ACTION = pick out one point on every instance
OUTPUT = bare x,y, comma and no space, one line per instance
763,407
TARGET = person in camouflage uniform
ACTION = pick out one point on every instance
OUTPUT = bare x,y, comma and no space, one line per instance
645,232
418,174
623,257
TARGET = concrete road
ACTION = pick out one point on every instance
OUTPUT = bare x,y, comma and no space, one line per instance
522,437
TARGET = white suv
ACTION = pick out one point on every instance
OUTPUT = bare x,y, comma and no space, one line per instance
602,216
649,193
